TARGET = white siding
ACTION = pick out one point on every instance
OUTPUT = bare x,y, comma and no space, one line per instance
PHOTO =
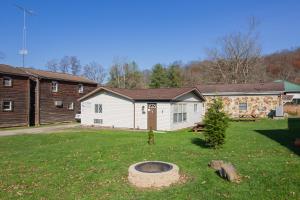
116,110
163,116
140,117
119,112
192,117
295,95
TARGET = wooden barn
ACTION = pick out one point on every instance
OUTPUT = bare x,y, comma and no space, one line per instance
34,97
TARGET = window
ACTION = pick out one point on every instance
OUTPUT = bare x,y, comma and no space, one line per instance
98,121
71,106
7,105
80,88
98,108
195,107
58,104
296,101
54,87
243,106
7,82
179,113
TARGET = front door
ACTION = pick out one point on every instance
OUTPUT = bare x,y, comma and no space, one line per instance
152,115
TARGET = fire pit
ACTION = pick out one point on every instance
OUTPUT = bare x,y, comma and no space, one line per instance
153,174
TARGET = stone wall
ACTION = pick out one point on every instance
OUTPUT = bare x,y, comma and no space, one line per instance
259,105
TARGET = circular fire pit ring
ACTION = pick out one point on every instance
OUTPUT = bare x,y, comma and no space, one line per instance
153,174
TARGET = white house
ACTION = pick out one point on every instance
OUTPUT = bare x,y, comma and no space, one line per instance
158,109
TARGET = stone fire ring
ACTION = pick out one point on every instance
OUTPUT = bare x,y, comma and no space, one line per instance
153,174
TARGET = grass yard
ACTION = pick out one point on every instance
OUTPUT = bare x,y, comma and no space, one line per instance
91,164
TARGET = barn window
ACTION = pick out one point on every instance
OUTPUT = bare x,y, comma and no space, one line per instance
7,81
179,113
98,121
98,108
195,107
71,106
7,106
80,88
243,106
54,86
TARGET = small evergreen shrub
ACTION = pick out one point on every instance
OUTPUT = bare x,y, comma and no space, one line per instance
150,137
216,123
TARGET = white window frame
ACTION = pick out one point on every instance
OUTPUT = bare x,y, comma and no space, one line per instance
98,108
5,79
80,88
54,86
179,113
195,107
10,105
71,106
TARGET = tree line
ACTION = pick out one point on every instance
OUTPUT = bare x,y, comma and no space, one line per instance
235,58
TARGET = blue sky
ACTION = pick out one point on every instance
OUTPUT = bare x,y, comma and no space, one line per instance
147,31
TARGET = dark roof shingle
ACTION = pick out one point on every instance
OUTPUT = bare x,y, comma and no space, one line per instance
57,76
6,69
162,94
255,87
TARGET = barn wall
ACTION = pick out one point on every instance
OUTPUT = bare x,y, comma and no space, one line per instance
18,93
117,111
67,92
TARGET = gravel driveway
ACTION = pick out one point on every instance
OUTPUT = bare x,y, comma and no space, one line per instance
38,130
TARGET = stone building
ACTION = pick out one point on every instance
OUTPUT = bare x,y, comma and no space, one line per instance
246,100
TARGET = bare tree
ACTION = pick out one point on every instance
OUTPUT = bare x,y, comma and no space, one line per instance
95,72
117,73
284,65
64,64
237,57
52,65
75,65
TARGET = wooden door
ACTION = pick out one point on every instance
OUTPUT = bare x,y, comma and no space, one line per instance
152,116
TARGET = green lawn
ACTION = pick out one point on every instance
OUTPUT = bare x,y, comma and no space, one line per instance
93,164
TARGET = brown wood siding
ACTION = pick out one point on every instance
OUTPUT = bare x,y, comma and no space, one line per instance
18,93
67,93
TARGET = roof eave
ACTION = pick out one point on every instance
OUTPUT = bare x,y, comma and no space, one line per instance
105,89
191,90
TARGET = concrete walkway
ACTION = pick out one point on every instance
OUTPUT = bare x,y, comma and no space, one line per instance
38,130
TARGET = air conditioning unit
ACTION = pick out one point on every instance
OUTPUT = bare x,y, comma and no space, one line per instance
58,103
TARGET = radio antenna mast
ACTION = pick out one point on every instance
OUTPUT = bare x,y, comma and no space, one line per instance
23,52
